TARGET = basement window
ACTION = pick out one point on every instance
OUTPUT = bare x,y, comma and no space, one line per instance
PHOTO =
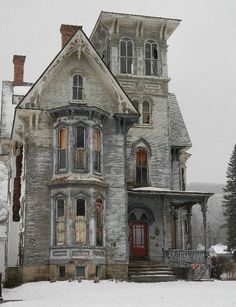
80,271
62,271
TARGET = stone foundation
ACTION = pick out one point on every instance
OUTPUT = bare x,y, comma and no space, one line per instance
18,275
117,271
13,277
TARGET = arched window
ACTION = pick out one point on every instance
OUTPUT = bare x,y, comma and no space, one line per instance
99,222
97,150
146,113
80,221
141,167
151,58
60,222
77,87
126,56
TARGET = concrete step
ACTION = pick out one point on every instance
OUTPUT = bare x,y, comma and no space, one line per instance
143,271
152,278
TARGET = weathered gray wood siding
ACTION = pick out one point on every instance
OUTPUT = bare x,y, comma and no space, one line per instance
38,155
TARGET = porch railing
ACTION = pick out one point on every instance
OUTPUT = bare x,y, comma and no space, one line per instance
185,257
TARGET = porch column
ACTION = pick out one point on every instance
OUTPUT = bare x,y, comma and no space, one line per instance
164,224
204,215
189,217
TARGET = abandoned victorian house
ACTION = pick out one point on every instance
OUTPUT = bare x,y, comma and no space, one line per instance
98,150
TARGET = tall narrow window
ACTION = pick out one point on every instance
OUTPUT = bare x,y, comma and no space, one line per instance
141,167
151,58
80,222
60,222
126,56
99,222
77,87
62,140
97,150
80,148
146,112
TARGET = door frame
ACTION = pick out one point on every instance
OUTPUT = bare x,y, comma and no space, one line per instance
146,239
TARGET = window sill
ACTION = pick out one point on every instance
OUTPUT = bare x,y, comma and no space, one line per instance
150,126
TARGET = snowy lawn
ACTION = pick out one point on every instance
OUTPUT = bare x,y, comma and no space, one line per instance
123,294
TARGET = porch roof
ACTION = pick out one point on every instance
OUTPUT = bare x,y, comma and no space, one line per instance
175,196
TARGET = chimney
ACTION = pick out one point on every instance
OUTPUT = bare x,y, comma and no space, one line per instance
67,31
18,61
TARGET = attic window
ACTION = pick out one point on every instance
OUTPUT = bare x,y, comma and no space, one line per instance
126,56
77,87
151,58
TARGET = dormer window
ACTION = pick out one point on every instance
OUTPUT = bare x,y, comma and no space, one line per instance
151,58
126,56
78,87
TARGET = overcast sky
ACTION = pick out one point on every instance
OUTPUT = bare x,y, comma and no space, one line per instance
202,61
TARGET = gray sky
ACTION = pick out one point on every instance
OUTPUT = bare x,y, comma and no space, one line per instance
202,61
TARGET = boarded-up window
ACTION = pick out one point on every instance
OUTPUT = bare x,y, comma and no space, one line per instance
151,58
126,56
80,221
62,142
146,112
99,222
97,150
141,167
60,221
80,148
77,88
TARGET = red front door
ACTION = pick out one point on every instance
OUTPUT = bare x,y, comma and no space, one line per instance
138,239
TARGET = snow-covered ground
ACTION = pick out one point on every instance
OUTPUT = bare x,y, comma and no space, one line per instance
123,294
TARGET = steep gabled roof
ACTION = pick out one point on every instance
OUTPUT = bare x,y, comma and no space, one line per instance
79,43
178,132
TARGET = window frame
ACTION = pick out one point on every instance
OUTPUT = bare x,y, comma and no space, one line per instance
142,182
78,87
60,169
97,152
78,150
58,220
126,57
99,229
152,60
146,113
80,221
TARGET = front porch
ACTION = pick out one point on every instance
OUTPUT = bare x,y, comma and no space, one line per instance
161,227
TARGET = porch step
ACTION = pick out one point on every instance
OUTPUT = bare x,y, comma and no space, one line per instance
150,272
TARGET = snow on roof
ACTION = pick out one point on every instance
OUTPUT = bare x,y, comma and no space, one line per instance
21,90
150,189
219,249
